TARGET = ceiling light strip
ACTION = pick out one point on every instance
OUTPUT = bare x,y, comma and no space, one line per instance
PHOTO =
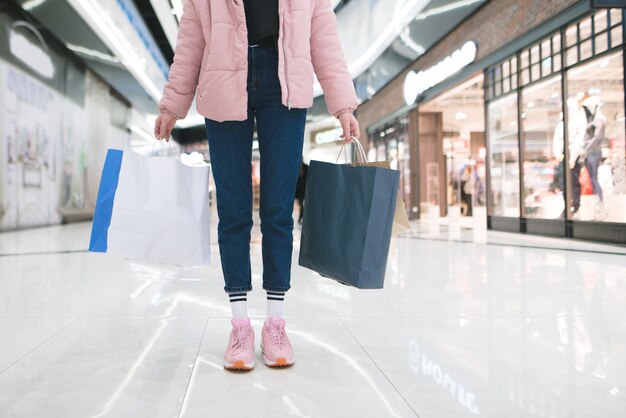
391,31
116,40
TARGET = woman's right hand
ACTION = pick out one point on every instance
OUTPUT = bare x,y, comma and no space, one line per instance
163,126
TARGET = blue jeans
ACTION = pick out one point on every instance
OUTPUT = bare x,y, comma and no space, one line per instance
592,162
280,134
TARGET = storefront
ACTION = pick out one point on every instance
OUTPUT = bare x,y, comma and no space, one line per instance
526,134
391,142
555,113
458,115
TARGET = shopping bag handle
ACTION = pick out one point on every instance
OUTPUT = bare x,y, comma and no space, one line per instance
160,145
359,151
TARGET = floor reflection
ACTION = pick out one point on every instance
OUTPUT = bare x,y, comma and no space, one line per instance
471,322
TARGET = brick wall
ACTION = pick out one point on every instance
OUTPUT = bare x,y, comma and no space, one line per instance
492,27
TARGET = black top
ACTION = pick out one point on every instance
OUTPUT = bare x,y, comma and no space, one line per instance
261,19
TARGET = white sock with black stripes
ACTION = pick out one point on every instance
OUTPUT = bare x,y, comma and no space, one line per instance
239,304
275,301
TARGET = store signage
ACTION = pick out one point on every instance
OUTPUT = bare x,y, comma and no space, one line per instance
417,83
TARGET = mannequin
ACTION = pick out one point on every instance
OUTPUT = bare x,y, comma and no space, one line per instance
591,152
576,129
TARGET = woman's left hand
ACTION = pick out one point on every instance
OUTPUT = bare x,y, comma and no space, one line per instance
350,126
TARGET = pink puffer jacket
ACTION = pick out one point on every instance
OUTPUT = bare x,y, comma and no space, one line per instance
211,56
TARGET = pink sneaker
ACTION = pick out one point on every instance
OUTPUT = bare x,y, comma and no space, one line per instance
240,351
275,345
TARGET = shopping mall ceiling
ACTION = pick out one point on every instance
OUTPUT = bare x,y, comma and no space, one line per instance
130,42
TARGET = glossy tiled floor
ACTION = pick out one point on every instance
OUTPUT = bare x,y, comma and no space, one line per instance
470,323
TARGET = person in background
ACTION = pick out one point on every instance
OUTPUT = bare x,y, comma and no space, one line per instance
247,62
468,183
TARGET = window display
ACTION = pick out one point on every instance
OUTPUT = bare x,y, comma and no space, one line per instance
573,165
542,134
462,110
504,156
391,143
596,140
461,185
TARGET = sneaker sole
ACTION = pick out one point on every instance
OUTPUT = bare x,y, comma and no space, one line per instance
239,365
280,361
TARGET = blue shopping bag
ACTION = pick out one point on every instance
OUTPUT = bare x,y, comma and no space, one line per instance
104,202
347,224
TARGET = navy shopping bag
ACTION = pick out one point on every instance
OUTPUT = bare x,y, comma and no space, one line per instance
347,223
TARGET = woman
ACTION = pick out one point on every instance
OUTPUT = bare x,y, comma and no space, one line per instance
248,60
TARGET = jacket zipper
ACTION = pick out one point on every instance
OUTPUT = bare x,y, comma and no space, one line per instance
285,58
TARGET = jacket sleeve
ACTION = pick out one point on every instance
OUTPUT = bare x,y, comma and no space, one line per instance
329,62
182,81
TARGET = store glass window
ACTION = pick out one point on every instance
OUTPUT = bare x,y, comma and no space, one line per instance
504,156
404,166
600,21
555,165
571,35
586,50
616,16
391,143
571,55
586,39
540,60
584,31
602,42
542,139
535,73
597,163
502,78
556,43
534,54
556,50
556,62
616,35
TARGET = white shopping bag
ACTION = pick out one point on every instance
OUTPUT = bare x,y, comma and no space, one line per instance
160,212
